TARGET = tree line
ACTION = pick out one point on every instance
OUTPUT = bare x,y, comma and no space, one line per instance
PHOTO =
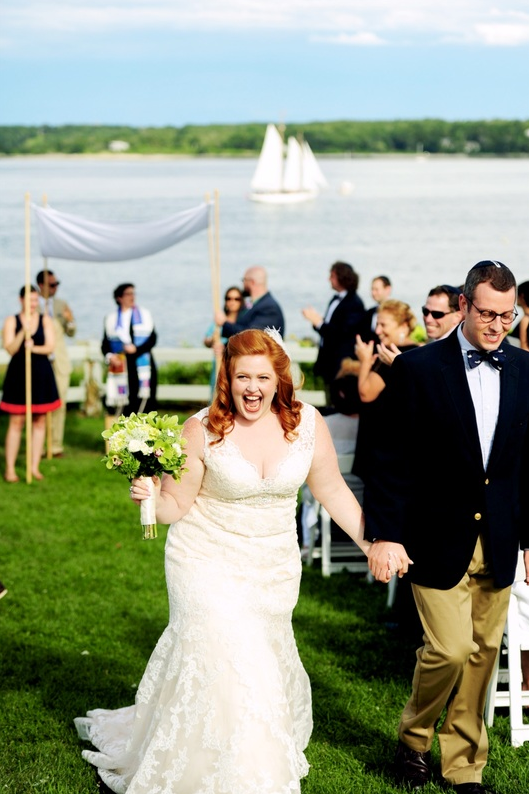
490,137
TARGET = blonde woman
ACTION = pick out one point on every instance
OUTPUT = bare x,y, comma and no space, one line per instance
395,324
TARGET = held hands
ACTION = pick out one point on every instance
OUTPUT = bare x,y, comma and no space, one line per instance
139,490
386,559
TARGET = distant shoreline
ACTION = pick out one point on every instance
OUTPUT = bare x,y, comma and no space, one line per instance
125,156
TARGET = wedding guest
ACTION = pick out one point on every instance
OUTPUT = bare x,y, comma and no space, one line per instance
380,292
395,324
339,325
36,333
128,340
233,309
441,311
225,704
63,326
523,325
262,309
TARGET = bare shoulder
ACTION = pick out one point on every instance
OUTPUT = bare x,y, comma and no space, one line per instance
10,322
322,433
193,432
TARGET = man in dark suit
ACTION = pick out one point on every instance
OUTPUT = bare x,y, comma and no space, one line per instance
380,292
340,324
263,310
450,490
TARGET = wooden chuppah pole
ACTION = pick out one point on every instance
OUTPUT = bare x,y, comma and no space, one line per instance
27,336
216,271
215,280
49,451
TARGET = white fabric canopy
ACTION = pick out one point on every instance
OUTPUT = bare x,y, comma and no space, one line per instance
65,236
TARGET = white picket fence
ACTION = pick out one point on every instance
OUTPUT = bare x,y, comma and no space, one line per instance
88,356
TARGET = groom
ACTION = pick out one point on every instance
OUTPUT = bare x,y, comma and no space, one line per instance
451,490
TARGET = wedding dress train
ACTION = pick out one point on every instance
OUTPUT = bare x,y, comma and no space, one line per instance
224,706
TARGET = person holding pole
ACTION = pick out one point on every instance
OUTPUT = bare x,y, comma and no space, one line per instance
63,325
35,332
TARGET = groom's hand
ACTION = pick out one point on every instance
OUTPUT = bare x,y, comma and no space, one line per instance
386,558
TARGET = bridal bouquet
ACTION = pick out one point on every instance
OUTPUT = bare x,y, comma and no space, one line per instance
142,445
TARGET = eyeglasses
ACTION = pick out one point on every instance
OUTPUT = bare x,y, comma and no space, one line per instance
53,283
435,314
233,298
488,316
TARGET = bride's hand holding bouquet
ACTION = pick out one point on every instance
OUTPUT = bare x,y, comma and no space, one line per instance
143,447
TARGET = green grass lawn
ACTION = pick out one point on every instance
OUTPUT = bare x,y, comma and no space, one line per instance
87,603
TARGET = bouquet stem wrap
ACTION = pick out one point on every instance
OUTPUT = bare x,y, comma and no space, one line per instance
148,512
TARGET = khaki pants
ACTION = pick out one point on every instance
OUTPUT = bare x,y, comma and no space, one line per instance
463,628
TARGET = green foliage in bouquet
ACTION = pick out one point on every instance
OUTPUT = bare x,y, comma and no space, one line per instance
142,445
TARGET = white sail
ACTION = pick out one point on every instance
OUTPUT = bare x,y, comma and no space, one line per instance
312,174
292,177
268,175
297,179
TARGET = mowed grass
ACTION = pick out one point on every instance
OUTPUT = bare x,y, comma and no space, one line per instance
87,603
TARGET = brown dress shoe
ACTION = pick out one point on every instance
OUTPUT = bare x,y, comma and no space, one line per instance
411,767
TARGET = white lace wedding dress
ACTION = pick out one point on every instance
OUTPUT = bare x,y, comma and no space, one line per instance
224,705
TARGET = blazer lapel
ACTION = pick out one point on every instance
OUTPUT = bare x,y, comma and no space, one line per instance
508,397
453,371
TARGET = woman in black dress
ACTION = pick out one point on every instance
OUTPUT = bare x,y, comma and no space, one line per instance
395,324
44,395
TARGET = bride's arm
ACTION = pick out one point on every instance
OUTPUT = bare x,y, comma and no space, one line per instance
330,489
174,499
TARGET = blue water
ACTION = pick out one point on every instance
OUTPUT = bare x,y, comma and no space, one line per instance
420,221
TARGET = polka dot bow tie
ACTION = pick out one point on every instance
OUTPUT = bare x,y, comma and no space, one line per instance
496,358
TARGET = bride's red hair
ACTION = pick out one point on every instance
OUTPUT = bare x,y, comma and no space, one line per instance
254,342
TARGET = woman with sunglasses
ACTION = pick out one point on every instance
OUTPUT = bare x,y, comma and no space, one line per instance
233,309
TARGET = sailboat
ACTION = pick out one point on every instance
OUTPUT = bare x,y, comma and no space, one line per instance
285,180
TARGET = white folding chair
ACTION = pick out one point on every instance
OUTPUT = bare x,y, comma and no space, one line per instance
335,556
513,697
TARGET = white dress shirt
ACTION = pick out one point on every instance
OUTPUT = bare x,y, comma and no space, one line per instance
484,385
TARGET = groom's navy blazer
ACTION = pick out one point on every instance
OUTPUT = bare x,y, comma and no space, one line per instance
430,490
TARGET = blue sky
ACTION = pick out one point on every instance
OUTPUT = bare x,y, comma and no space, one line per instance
166,62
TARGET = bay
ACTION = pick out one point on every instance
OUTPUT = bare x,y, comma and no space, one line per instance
422,221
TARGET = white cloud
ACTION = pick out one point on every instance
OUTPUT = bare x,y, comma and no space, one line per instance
343,22
503,35
364,39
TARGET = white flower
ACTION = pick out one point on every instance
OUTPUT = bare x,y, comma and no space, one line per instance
135,445
178,449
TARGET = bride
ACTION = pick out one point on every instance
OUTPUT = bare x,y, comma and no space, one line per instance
224,706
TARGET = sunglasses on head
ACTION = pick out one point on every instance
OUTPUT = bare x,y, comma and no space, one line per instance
435,314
